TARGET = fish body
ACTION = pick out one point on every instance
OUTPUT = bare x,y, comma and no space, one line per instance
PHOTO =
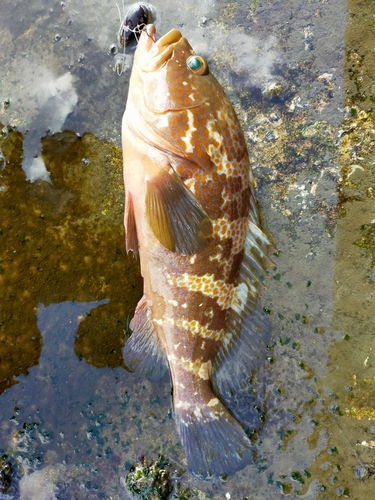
190,213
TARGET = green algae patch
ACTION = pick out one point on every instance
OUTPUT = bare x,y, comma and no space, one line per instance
286,436
153,481
367,240
361,413
150,481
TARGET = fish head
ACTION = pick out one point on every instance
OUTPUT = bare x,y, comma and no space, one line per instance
163,66
175,99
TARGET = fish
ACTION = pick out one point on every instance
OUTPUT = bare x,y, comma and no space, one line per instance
191,216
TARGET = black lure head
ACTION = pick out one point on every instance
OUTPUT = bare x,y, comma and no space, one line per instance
133,22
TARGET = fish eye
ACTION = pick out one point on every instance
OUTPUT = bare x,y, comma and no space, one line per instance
197,65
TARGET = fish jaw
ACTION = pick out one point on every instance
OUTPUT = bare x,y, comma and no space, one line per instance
152,54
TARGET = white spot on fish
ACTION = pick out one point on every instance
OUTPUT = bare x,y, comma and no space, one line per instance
198,413
192,258
209,313
183,404
216,256
163,121
213,402
204,370
214,135
189,148
190,183
173,302
240,298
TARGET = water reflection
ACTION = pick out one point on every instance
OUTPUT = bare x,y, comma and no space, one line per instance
63,241
58,324
54,99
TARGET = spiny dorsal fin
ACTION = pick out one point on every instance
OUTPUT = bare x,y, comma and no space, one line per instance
175,216
248,335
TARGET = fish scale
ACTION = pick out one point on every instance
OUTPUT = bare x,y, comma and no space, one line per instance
191,216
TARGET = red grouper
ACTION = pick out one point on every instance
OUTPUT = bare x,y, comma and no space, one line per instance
190,213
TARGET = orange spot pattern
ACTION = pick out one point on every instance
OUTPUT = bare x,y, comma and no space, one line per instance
235,230
214,165
197,329
207,285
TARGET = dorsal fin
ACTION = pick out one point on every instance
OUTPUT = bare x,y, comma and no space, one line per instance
175,216
248,333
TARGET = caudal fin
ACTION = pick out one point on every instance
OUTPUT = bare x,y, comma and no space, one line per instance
214,442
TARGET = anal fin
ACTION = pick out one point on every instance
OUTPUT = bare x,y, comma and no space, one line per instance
142,352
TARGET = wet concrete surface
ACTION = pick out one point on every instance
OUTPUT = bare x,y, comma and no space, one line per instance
73,419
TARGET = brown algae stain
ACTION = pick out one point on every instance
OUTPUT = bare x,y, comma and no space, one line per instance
61,242
345,468
286,436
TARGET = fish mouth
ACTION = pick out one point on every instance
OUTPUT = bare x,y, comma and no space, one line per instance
157,53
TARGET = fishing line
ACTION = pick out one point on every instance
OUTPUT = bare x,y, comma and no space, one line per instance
126,26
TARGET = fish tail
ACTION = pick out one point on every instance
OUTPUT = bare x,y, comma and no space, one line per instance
214,442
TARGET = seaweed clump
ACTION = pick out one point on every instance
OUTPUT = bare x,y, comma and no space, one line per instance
6,472
150,481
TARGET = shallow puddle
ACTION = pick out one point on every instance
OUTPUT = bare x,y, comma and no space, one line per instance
73,418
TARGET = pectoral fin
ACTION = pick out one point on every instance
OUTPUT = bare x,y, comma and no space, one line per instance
176,218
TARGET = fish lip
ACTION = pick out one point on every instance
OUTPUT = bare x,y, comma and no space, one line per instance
173,36
160,51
